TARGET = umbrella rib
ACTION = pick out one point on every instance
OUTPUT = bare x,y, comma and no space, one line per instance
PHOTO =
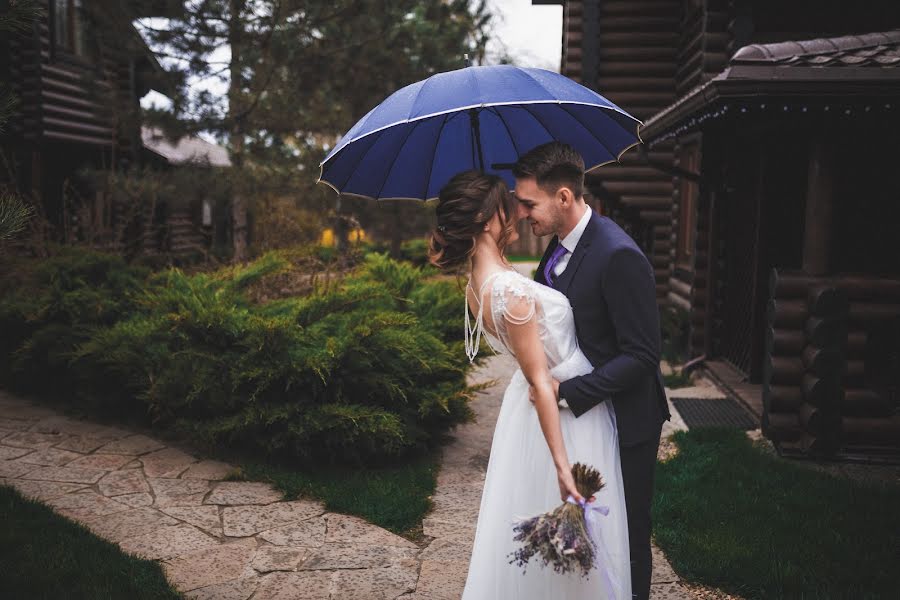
362,158
437,140
589,130
394,161
539,122
512,140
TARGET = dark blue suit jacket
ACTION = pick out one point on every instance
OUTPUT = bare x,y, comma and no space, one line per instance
612,290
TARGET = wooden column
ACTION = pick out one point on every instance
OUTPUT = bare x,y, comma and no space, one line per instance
819,206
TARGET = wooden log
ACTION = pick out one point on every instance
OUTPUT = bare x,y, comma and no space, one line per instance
819,445
786,314
782,427
825,332
648,202
785,370
821,391
785,341
794,284
818,421
861,402
784,398
823,362
872,430
863,314
827,302
856,343
854,373
680,287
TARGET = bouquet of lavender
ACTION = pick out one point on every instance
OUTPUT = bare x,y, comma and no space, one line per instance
560,537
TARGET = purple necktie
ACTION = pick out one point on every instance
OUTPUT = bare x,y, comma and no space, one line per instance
558,252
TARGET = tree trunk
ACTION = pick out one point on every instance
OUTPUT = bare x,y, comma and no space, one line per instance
236,137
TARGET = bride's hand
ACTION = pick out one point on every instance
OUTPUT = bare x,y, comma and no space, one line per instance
567,485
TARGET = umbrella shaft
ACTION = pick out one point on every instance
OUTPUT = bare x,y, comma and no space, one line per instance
476,137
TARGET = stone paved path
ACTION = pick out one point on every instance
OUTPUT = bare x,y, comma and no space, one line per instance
223,540
217,540
458,496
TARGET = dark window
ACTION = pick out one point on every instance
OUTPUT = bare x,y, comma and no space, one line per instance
68,29
687,213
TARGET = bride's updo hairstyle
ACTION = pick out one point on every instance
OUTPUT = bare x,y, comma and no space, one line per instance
465,205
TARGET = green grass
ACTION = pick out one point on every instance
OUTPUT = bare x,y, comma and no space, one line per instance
730,515
44,555
395,497
522,258
676,380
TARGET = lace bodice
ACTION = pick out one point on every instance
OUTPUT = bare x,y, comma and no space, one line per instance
515,299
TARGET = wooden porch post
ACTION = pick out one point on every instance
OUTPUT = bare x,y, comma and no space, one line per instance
819,208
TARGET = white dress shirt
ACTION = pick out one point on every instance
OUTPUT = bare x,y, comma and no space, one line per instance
570,241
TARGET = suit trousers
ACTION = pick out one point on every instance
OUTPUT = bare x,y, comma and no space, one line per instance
638,466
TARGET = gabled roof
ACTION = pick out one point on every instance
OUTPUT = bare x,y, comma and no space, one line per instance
849,66
187,150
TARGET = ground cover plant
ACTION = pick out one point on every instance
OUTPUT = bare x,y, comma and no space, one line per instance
730,515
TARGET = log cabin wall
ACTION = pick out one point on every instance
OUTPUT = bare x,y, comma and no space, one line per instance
635,50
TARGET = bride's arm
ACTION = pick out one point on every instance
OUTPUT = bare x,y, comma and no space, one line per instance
524,341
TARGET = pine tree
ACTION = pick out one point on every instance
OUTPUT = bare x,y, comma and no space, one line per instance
300,72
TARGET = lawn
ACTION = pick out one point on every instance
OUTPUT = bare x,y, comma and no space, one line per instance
730,515
45,556
396,497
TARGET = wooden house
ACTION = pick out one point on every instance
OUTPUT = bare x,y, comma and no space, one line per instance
78,74
772,125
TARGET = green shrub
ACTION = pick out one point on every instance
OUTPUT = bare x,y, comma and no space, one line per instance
362,371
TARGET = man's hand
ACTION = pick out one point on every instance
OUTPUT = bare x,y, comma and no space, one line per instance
555,384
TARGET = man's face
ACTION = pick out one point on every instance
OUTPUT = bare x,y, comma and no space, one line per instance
542,209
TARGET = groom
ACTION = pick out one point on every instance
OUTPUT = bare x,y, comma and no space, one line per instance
612,290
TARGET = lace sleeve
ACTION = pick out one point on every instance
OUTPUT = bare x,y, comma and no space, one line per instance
513,302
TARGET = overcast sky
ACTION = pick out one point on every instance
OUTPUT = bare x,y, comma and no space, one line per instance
532,35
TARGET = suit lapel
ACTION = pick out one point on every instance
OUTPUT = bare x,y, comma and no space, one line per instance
539,274
567,276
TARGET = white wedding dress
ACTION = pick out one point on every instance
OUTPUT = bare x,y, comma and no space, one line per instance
521,477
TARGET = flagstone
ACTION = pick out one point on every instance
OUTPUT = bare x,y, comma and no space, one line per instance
238,493
444,549
136,500
239,589
26,411
436,528
205,517
169,542
4,432
371,584
130,524
442,579
58,424
211,566
15,424
105,462
133,445
240,521
353,530
33,439
208,469
11,468
168,462
86,505
280,558
9,452
43,490
119,483
83,444
356,556
309,533
303,585
50,457
68,474
178,492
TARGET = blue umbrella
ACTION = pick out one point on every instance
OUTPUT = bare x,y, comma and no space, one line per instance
482,118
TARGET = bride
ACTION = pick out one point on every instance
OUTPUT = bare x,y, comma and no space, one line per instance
534,445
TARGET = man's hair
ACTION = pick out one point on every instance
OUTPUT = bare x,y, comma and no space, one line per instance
553,165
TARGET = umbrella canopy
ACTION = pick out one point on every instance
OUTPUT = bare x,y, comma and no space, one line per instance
482,118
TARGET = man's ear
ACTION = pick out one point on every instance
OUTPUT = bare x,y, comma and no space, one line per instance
565,196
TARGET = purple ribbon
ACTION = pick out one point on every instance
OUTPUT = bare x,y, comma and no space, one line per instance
592,511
